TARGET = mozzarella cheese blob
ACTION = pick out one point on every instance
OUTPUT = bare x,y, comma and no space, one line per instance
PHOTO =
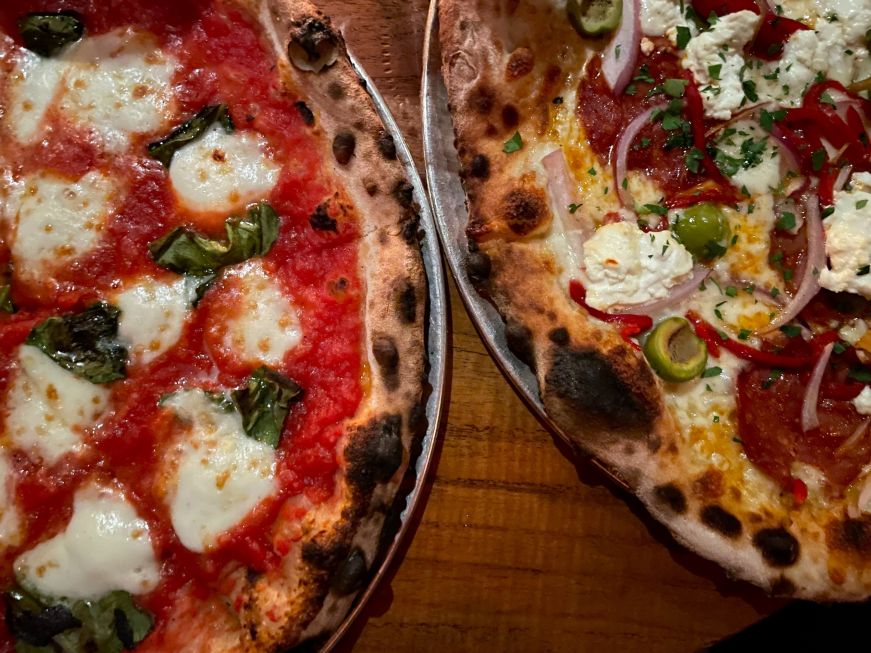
105,547
266,324
221,474
153,314
10,520
59,220
33,85
221,172
848,240
658,16
626,266
49,407
862,401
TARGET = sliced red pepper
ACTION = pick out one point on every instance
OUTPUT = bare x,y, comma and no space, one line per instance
828,177
799,490
627,325
705,8
773,35
711,336
715,195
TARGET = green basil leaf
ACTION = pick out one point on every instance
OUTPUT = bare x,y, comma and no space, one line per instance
47,34
6,305
164,149
34,622
264,402
85,343
185,251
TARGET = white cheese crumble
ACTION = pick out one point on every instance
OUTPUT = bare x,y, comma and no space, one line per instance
754,154
626,266
853,331
658,16
862,401
721,49
105,547
848,240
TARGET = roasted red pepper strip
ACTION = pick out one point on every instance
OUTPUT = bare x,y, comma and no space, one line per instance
799,490
711,336
773,35
627,325
828,177
689,198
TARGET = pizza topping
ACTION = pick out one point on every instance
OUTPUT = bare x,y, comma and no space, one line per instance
187,252
48,34
862,401
10,518
594,17
164,149
264,402
107,625
105,547
848,240
674,352
628,325
626,266
85,343
659,16
48,406
621,53
222,171
6,305
313,46
220,473
704,230
809,417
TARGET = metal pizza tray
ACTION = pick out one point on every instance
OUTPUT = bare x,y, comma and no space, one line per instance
411,497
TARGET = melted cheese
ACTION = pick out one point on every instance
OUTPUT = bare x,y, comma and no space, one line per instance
49,407
222,172
153,314
33,86
59,220
105,547
220,475
266,324
10,519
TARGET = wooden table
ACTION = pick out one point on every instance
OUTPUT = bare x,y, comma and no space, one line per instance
520,547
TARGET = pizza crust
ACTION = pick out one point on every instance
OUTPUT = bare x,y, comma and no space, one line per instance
505,64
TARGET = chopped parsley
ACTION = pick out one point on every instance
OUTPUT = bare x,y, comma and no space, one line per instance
513,144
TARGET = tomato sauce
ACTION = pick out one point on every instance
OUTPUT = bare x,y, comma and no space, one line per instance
222,60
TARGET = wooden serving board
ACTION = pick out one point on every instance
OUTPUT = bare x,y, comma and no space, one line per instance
520,547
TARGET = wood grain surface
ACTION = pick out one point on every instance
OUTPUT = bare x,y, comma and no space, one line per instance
520,547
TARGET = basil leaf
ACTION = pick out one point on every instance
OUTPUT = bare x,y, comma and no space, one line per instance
164,149
48,34
33,622
264,402
6,305
85,343
185,251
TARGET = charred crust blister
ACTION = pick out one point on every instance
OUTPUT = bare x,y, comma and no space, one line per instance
524,210
559,336
375,453
313,45
404,194
778,547
721,520
510,116
406,301
305,113
478,265
344,146
520,64
586,381
411,233
519,340
850,536
385,352
320,220
351,574
480,167
672,497
387,146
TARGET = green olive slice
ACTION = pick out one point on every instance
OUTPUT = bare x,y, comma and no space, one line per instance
594,17
703,229
674,351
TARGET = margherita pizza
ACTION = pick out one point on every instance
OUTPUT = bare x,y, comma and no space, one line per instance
670,205
211,325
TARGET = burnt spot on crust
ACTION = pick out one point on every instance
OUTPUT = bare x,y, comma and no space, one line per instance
721,520
321,219
709,485
478,265
344,145
387,146
672,497
313,45
519,340
510,116
351,573
778,546
524,210
324,555
850,536
410,229
559,336
587,382
406,301
481,100
404,193
385,352
335,91
307,116
520,64
480,167
374,453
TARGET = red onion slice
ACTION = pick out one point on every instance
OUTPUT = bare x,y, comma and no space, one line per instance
677,294
841,179
815,262
560,184
621,54
853,440
623,145
809,418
